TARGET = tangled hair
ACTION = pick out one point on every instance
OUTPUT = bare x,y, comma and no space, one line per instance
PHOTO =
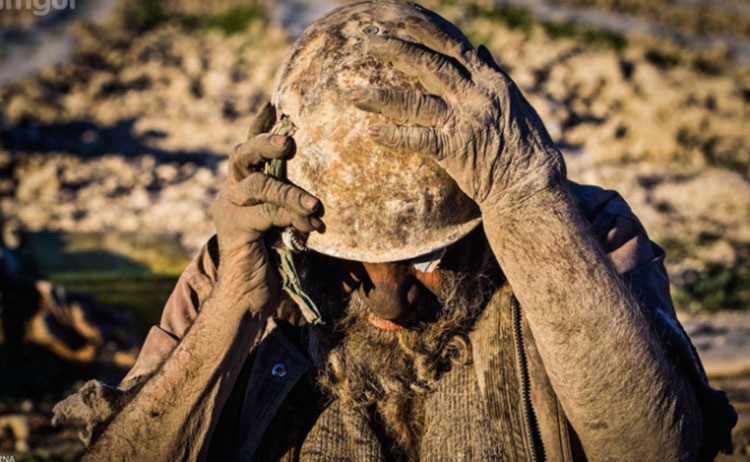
386,374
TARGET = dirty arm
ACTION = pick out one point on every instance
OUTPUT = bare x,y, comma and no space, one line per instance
172,416
604,362
615,383
174,413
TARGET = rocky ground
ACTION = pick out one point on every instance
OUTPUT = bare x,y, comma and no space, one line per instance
131,135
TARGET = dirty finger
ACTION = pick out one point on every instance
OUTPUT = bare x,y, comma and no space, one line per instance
446,39
404,106
440,74
249,155
261,188
423,140
263,120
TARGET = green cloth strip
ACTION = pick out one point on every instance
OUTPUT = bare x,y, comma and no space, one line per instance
290,281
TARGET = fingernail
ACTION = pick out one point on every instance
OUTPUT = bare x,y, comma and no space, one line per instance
278,140
310,203
357,93
373,130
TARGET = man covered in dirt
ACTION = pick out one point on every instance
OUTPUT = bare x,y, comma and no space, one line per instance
476,304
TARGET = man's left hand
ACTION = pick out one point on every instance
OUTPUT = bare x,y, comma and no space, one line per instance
474,121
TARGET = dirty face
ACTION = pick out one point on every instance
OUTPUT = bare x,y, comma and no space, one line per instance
397,294
394,330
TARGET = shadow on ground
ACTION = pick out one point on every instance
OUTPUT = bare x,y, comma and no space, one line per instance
88,140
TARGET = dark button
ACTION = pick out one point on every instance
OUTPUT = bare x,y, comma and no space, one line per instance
278,370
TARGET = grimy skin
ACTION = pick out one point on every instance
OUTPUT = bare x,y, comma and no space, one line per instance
630,407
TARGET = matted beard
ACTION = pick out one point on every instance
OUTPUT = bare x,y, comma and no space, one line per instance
388,371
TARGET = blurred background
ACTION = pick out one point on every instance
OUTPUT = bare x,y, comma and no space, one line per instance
116,117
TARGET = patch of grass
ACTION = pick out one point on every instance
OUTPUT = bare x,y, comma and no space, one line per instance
512,16
559,30
518,18
143,15
235,20
47,455
675,249
718,287
606,39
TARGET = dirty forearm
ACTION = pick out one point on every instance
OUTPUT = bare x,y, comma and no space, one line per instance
172,417
605,364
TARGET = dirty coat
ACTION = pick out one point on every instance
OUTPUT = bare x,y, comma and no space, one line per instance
273,392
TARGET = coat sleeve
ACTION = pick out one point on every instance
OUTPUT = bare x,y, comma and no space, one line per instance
193,287
641,264
96,403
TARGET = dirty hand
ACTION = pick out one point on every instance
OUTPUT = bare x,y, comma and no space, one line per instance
249,205
475,121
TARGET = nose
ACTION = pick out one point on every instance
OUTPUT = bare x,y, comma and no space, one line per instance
393,290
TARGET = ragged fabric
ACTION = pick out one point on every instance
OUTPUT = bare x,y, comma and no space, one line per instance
95,405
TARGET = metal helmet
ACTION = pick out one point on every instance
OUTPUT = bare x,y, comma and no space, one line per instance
380,204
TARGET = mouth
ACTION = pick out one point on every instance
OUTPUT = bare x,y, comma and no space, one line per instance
383,324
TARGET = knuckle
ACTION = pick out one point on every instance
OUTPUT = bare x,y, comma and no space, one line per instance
433,61
381,96
269,186
250,186
268,209
283,194
258,183
442,142
426,140
391,134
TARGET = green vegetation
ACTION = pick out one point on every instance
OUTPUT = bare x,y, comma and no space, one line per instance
605,39
560,30
515,17
512,16
235,20
718,287
143,296
130,271
675,249
142,15
44,455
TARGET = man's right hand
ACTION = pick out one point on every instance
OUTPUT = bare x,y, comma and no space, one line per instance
249,205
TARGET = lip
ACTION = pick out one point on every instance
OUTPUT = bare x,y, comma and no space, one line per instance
383,324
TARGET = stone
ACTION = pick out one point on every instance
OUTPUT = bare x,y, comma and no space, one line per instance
41,184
